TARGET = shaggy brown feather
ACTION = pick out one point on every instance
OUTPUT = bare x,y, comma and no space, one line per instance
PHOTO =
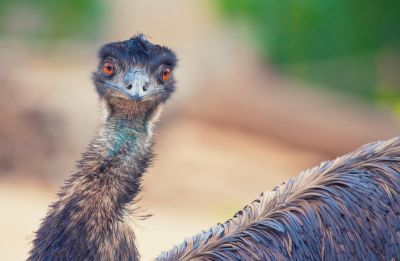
344,209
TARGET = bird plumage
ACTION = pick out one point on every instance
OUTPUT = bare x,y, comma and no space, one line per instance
88,220
345,209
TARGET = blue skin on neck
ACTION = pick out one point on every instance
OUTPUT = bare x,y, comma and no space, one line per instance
125,136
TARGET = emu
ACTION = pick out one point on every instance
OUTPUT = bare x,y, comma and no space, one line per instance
345,209
88,221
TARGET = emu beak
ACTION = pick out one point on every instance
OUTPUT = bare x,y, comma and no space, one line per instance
137,83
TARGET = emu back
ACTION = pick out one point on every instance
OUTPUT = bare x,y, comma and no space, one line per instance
345,209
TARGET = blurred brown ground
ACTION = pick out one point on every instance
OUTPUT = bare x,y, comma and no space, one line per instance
233,129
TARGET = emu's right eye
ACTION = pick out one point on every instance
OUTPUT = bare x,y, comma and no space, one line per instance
108,68
165,74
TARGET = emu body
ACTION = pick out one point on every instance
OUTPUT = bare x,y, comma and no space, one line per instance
345,209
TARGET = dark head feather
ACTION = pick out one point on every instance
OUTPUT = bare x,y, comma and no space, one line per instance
138,66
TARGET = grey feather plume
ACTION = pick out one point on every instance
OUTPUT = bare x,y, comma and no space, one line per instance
344,209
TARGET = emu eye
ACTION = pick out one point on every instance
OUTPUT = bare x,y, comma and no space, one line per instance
108,68
165,74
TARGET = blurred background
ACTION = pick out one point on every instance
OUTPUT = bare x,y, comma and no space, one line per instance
266,88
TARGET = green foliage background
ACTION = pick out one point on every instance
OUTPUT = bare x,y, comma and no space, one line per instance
51,20
348,46
352,47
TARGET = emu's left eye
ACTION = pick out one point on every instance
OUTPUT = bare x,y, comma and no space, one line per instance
165,74
108,68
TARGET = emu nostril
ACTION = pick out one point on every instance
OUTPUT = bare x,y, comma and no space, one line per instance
145,87
129,86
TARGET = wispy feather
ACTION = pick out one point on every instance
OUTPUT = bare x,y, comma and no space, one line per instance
347,209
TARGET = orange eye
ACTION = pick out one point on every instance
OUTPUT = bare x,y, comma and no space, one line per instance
108,68
166,73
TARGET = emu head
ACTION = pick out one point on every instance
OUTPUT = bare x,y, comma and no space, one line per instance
135,72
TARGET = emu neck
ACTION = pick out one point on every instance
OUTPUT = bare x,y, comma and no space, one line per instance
119,153
118,156
88,220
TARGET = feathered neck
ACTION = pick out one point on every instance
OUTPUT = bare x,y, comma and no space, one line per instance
88,220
